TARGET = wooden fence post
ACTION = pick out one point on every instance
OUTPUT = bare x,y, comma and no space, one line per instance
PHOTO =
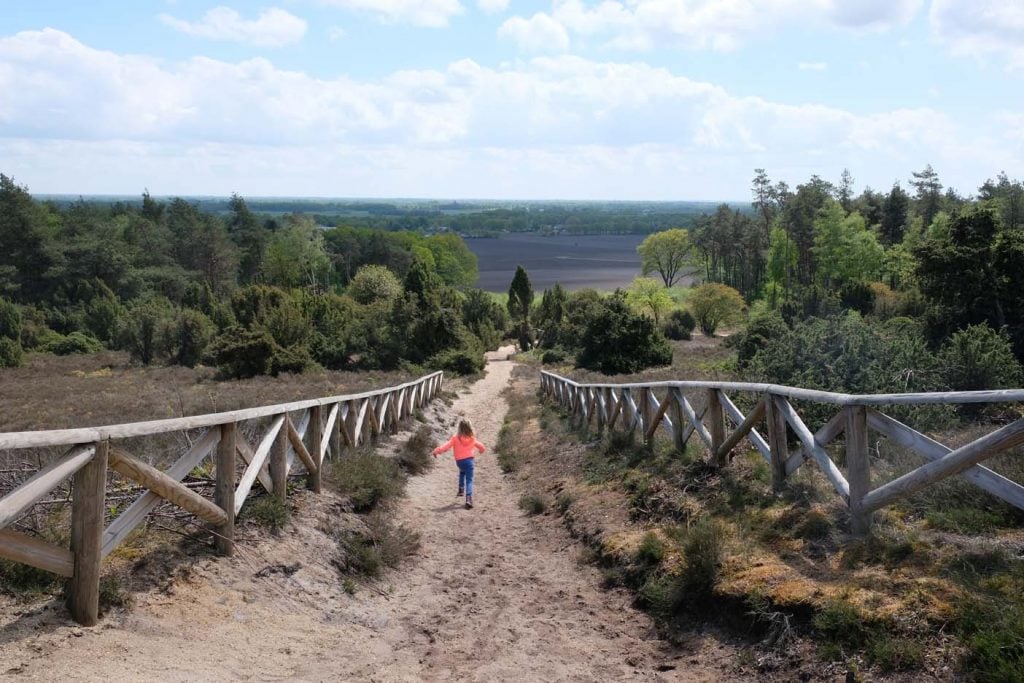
224,494
716,426
646,412
675,395
315,440
279,462
336,434
858,467
777,441
87,508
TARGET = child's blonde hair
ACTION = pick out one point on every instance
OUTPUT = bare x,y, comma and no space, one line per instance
465,427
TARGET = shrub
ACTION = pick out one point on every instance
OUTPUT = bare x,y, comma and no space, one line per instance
618,341
374,283
189,337
113,593
979,358
715,305
532,504
76,342
552,356
367,479
10,353
703,547
240,353
21,579
294,359
762,329
651,550
414,456
679,325
464,361
269,512
144,329
380,544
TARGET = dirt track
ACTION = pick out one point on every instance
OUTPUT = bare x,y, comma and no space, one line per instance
492,596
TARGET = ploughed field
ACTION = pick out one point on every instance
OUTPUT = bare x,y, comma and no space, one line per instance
576,261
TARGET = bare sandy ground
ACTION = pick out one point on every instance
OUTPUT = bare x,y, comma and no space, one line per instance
492,596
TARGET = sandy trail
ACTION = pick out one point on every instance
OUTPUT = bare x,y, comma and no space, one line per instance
493,595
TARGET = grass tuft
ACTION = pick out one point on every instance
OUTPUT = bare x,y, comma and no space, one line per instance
414,456
269,512
368,480
533,504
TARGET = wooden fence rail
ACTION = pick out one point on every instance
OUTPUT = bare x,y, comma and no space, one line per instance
325,427
634,407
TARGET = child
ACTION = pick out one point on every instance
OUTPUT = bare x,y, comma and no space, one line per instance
463,444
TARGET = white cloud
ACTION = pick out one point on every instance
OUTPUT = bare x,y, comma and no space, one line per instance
539,33
336,33
812,66
981,29
273,28
551,126
492,6
716,24
430,13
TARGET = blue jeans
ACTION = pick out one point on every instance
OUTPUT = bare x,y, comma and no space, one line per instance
466,475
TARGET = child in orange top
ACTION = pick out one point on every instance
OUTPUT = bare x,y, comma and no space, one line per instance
463,444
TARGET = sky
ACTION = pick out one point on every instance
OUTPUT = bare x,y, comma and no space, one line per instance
506,99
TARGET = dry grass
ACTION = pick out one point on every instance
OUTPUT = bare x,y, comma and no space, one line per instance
785,568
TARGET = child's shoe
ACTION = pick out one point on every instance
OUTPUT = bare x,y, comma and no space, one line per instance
469,502
461,493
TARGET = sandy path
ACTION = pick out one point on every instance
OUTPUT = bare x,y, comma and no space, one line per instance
492,596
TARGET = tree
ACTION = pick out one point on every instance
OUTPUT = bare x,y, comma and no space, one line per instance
764,199
374,283
714,305
10,335
666,253
520,298
647,295
249,235
844,249
894,215
929,193
845,191
616,340
295,256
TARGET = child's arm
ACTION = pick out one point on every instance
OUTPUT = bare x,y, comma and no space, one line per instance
443,447
479,446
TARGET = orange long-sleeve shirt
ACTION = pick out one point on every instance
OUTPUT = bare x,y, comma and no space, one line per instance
463,446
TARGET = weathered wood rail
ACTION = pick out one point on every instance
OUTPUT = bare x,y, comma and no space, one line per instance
637,407
324,427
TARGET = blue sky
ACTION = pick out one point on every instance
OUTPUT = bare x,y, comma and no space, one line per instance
576,99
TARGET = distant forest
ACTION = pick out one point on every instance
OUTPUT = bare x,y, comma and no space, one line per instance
470,218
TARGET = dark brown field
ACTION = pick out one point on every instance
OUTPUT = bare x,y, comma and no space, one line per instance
576,261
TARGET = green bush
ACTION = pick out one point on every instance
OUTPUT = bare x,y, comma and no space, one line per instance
762,330
293,359
651,550
10,353
240,353
21,579
367,480
679,325
618,341
189,337
552,356
76,342
269,512
979,358
703,548
144,330
381,544
464,361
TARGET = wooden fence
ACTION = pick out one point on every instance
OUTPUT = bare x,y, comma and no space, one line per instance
324,426
637,407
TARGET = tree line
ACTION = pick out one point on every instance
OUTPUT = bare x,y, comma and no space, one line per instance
252,294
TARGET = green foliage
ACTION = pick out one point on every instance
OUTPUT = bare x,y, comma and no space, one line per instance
666,253
269,512
979,357
189,337
144,329
617,340
368,480
703,548
993,631
464,361
10,353
485,318
520,298
648,296
10,334
762,330
714,305
732,245
76,342
652,549
551,356
679,325
241,353
374,283
21,579
844,249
